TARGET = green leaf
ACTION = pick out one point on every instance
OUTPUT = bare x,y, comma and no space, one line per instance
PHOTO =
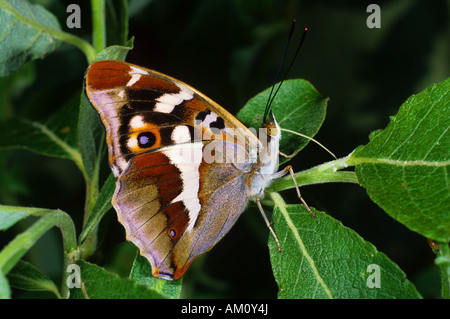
405,167
8,219
15,249
25,34
443,261
115,52
5,290
298,106
321,258
56,136
98,283
142,273
101,207
25,276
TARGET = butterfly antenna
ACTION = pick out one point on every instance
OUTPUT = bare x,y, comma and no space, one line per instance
271,98
291,32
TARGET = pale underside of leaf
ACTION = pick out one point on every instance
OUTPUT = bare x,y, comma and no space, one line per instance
26,32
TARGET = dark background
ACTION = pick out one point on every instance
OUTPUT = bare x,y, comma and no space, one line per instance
230,51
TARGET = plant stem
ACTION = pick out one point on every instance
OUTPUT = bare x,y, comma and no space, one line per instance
443,261
98,24
84,46
15,250
123,16
324,173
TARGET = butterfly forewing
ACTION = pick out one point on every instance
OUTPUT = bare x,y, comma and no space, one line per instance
144,110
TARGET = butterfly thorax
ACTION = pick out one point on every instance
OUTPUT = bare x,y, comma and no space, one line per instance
264,171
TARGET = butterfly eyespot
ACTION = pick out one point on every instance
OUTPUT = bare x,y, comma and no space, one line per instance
146,139
172,233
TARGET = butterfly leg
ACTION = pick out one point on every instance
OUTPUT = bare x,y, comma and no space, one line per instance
258,203
291,171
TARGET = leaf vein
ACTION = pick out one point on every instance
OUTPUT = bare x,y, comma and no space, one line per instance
418,124
279,202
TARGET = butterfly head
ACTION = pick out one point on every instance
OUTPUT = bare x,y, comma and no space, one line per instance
267,163
272,128
269,135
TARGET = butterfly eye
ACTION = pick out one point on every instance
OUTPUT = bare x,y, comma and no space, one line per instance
146,139
272,130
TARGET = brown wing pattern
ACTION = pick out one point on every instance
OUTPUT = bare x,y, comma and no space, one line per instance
163,228
136,104
174,202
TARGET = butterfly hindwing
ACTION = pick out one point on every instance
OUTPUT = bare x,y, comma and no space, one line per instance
178,210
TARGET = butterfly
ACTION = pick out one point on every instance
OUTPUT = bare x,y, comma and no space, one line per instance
185,166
